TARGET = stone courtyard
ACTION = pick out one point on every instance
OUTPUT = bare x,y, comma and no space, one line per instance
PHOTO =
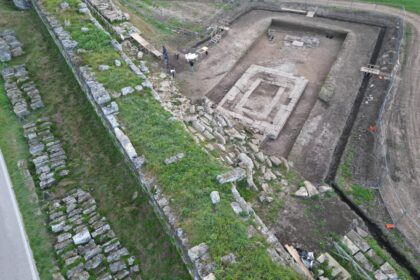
264,98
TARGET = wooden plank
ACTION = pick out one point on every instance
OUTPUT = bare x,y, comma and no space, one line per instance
292,251
142,42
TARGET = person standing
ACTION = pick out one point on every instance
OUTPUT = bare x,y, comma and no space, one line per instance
165,55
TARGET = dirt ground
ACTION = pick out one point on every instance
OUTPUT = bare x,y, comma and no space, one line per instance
308,224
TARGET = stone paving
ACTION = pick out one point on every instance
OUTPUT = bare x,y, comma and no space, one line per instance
21,90
85,243
48,155
263,98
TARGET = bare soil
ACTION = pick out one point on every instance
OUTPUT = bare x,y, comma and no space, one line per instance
308,224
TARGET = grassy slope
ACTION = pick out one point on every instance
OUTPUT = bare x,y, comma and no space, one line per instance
95,162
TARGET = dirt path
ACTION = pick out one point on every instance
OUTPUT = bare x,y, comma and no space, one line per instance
400,187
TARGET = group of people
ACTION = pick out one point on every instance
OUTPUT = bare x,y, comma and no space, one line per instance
190,58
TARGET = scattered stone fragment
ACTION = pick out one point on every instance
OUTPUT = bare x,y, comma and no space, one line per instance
174,158
310,188
301,192
64,6
215,198
234,175
210,277
127,90
236,207
138,88
325,188
228,259
275,160
103,67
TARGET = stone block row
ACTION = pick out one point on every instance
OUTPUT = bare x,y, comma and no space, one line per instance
21,90
356,244
85,243
10,46
48,155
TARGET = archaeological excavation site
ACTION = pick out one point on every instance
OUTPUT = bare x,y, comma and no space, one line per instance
209,140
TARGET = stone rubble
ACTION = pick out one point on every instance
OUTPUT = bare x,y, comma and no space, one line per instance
9,45
85,243
48,155
21,91
174,158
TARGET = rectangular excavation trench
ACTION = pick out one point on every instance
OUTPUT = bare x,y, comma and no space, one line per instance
312,63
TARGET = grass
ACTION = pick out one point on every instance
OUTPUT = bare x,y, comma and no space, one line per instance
95,163
410,5
362,195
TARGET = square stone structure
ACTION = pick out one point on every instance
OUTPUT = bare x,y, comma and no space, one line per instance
264,98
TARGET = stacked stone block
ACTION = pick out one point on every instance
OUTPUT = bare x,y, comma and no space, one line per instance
85,243
356,245
48,155
9,46
21,91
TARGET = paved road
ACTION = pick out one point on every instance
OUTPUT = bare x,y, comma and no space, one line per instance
16,261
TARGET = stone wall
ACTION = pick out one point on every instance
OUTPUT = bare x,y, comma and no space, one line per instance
85,243
21,91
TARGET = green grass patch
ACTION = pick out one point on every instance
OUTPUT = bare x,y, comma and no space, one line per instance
362,195
410,5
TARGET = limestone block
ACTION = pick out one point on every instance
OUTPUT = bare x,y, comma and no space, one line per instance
215,197
312,190
82,237
234,175
350,245
358,240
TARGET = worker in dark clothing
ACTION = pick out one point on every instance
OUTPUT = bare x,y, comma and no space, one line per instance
191,64
165,55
